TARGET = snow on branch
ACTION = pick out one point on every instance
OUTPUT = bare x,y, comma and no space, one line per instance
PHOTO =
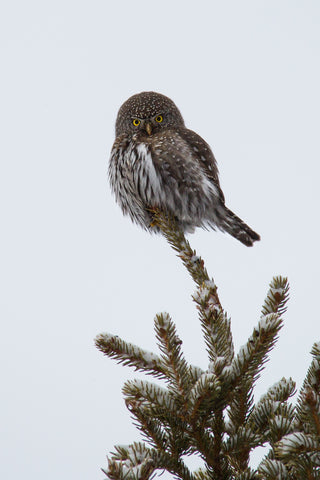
277,296
296,443
308,405
279,391
273,470
131,462
129,354
210,412
177,369
215,324
252,356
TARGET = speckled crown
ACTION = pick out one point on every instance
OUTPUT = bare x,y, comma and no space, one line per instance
145,105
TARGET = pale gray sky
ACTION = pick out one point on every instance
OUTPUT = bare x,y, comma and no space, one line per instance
246,77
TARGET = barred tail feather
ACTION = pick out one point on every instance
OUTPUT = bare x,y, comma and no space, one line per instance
233,225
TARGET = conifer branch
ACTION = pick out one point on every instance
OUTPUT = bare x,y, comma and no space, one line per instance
244,371
280,425
272,417
247,474
308,405
176,467
242,439
211,412
156,399
131,462
175,237
279,392
271,469
303,466
251,358
249,362
297,442
151,429
129,354
219,467
137,462
170,345
272,420
238,446
209,447
146,400
195,373
204,395
216,326
277,297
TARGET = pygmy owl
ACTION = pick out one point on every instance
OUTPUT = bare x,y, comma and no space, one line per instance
156,162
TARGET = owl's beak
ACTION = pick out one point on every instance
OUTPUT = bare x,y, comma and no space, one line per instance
149,128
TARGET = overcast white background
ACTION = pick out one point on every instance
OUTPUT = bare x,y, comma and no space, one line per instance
246,76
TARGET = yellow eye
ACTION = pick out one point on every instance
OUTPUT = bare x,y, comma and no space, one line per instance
159,118
136,122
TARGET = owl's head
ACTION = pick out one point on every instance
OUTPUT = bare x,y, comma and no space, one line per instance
147,112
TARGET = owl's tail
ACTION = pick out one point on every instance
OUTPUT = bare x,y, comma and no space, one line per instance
233,225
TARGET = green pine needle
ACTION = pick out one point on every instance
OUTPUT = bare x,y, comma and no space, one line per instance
210,412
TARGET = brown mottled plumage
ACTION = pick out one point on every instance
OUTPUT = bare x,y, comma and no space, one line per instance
157,162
